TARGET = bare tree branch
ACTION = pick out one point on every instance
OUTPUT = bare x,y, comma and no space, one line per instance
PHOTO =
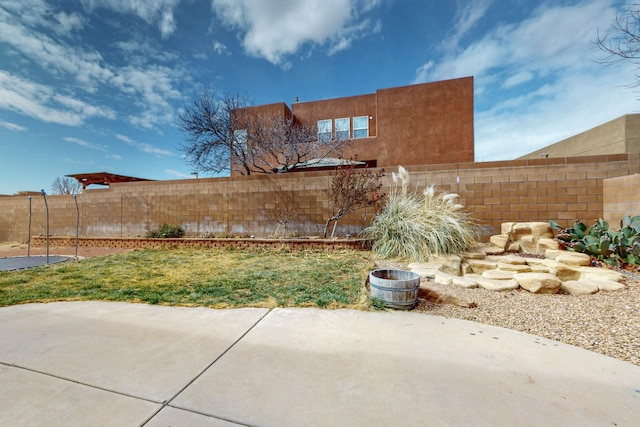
225,135
66,186
351,190
623,43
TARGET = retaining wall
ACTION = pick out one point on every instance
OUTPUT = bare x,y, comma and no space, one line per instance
135,243
562,189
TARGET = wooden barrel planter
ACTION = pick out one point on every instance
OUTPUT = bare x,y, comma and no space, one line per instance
395,288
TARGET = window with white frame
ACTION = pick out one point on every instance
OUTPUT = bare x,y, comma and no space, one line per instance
343,129
361,127
325,130
240,138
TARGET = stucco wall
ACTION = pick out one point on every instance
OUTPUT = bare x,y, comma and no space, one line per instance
493,192
428,123
618,136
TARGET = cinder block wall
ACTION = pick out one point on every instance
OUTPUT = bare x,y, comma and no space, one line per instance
562,189
621,196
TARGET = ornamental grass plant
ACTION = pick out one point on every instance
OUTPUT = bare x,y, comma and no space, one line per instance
418,226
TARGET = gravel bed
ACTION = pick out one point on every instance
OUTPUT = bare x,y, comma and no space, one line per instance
605,322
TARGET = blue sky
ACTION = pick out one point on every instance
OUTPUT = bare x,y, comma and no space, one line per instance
97,85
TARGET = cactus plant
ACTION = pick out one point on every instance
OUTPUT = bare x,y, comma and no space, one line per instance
599,241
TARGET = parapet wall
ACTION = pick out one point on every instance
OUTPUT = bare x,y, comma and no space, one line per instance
562,189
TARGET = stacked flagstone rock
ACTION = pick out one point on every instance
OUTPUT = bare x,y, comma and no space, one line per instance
526,256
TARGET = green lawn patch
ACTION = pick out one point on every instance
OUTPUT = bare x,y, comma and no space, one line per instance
192,277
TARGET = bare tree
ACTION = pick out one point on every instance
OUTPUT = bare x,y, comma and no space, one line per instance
223,134
211,130
66,185
350,190
284,206
623,45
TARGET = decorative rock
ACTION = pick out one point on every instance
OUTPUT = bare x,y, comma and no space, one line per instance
513,247
465,282
541,230
514,267
608,285
528,244
480,265
553,253
520,229
535,261
428,273
424,265
545,244
539,283
425,269
492,250
508,259
443,278
450,264
579,287
497,285
466,269
574,258
474,255
536,268
497,275
563,271
499,240
595,273
506,228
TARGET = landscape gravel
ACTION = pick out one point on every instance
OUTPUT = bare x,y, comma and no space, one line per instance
605,322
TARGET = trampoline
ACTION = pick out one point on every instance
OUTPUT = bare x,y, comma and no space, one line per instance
22,262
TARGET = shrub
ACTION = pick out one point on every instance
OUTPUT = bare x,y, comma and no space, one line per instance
165,231
351,189
613,247
417,226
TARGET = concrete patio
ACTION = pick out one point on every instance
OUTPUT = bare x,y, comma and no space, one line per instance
120,364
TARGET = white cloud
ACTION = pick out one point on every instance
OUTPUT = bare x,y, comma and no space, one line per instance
554,37
68,22
558,110
144,147
12,126
274,29
220,48
41,102
139,52
518,78
178,174
467,15
167,24
114,157
159,12
149,88
550,58
86,144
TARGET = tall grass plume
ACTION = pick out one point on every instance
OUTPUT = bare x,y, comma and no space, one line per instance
417,226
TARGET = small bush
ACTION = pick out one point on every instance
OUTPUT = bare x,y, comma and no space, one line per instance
599,241
417,226
165,231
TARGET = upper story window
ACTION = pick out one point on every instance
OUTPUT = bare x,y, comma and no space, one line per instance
343,129
361,127
325,130
240,138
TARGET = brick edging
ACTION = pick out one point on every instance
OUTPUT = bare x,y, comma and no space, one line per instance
142,243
